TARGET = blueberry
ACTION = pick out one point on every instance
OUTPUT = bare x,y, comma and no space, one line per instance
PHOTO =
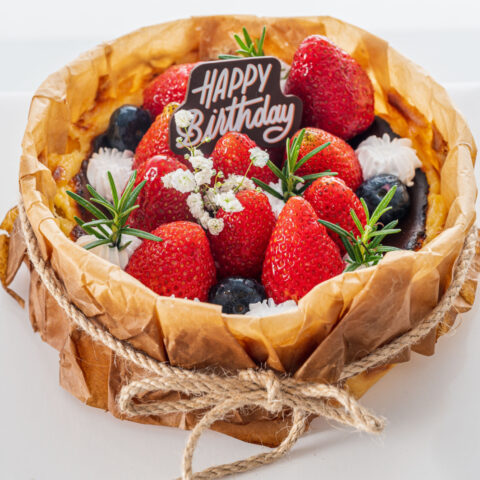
128,124
375,188
235,294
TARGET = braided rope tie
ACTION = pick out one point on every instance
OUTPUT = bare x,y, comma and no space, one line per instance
220,396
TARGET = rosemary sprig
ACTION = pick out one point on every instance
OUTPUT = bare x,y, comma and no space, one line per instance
109,225
292,184
248,48
365,248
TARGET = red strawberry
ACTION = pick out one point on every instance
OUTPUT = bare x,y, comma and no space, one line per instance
231,155
337,94
170,86
156,139
300,254
181,264
158,204
338,157
332,200
239,249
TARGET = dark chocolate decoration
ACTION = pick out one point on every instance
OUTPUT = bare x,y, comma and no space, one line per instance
413,224
240,95
378,127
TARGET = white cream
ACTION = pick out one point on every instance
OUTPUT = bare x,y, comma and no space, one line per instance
383,155
276,204
269,307
119,164
113,254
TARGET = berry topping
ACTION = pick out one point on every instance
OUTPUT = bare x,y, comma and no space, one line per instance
159,203
332,200
338,157
156,140
235,294
374,190
170,86
300,254
234,154
337,94
239,249
128,125
180,265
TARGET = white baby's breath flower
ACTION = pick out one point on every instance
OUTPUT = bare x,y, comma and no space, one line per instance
215,225
181,180
258,157
183,118
228,202
203,177
195,204
119,164
233,181
384,155
209,199
204,219
200,162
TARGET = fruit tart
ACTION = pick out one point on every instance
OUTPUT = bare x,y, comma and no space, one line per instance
220,251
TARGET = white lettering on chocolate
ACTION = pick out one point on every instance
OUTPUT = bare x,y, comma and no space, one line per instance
238,95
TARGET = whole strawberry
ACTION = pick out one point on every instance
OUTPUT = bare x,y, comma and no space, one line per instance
181,264
338,157
332,200
337,94
157,203
239,249
156,139
170,86
300,253
232,153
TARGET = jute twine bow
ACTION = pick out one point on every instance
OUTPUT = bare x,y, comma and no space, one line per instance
220,395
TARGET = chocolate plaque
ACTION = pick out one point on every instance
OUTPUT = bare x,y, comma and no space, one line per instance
241,95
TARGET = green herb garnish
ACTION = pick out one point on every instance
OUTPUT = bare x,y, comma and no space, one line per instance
248,48
111,223
365,249
292,184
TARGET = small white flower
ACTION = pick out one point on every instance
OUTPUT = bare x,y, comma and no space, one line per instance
119,164
383,155
215,225
183,118
181,180
209,199
199,162
258,157
204,219
233,181
228,202
195,204
203,177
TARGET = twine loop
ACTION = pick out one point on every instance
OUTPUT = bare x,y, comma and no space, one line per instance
215,397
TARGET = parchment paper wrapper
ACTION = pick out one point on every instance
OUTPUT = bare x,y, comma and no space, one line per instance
339,321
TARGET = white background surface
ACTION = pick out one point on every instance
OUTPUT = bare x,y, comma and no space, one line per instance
432,404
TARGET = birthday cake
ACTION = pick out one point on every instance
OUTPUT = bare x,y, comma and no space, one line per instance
235,192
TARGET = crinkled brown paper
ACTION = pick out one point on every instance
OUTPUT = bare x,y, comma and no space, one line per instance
339,321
